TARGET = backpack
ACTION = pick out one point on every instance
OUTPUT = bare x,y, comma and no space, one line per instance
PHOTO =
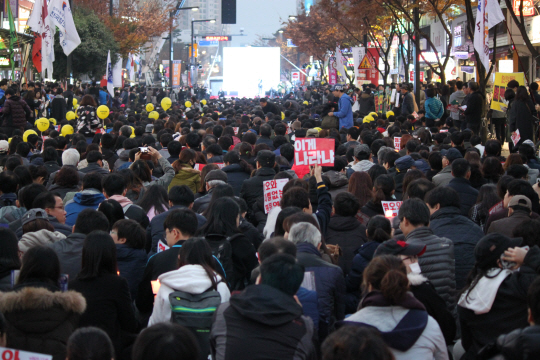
195,312
222,252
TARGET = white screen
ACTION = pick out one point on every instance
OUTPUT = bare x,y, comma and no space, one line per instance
250,71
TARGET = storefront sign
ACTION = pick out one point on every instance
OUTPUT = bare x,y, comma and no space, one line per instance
528,7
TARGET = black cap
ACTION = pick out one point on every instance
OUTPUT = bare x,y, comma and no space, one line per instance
266,158
399,247
216,175
492,246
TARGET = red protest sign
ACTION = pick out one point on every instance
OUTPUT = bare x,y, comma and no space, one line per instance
397,143
498,206
313,151
273,192
200,166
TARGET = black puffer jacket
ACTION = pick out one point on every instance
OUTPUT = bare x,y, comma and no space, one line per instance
519,344
349,234
235,177
252,188
464,233
41,318
437,263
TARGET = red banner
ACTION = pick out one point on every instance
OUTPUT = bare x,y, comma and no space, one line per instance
312,151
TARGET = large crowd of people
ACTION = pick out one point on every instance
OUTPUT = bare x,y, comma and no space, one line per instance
144,235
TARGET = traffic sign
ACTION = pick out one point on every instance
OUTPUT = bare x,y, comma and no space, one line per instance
365,63
217,38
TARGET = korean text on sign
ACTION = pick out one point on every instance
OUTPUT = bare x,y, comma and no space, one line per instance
397,143
273,191
391,208
313,151
12,354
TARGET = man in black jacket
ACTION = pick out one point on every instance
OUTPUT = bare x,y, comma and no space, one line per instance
252,188
268,106
180,224
475,106
270,309
212,179
58,106
461,170
68,95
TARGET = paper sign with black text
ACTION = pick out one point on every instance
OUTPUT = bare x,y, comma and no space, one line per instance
273,192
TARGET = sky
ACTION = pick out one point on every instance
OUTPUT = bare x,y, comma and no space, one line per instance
260,17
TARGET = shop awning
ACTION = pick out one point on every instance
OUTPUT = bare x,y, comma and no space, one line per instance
22,39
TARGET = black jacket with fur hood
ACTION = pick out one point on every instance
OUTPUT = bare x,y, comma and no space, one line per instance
41,318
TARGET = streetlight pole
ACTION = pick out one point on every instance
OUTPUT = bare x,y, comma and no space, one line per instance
191,57
171,50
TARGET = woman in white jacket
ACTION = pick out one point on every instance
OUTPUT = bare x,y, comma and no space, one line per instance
402,320
196,274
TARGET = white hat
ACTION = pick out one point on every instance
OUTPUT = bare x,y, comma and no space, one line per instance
4,146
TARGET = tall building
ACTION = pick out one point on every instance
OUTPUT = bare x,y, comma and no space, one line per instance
208,9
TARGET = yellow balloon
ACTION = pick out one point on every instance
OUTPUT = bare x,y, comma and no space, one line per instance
368,119
75,102
149,107
154,115
70,115
166,103
132,132
389,113
28,132
188,104
373,114
282,115
66,130
53,121
43,118
203,101
306,102
103,112
42,124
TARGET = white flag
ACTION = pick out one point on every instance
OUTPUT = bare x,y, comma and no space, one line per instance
488,15
341,67
117,72
110,86
130,66
40,22
60,13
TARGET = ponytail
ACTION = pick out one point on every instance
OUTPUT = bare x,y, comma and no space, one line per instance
394,286
388,275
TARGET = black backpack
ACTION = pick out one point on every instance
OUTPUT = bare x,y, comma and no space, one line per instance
195,312
222,251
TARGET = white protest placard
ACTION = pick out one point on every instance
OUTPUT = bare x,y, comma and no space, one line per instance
443,130
391,208
397,143
273,191
12,354
161,246
236,130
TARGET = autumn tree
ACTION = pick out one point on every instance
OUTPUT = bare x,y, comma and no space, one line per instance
134,22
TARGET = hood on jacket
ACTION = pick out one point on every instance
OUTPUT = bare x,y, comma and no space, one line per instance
34,298
337,179
90,197
124,155
266,305
365,96
343,223
124,201
363,165
126,253
416,279
187,173
40,237
480,299
192,279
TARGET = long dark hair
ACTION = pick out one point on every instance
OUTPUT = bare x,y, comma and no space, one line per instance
522,94
112,210
220,191
233,157
9,252
221,218
383,186
360,185
88,100
196,251
40,263
155,197
387,274
98,256
141,170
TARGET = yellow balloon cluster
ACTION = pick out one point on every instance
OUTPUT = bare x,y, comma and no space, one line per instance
103,112
165,104
149,107
70,115
75,102
188,104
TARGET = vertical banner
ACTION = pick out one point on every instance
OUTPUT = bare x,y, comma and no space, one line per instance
358,54
373,73
14,5
176,68
332,71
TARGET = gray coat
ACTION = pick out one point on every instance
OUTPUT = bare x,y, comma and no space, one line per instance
437,263
443,177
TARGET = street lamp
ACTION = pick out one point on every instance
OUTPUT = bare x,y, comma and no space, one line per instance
192,58
172,15
292,17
